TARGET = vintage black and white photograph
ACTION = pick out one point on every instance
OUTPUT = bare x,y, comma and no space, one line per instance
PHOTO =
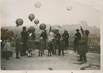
50,34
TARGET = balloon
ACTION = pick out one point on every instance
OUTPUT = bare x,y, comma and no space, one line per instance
31,17
36,21
31,29
69,8
42,26
37,5
19,21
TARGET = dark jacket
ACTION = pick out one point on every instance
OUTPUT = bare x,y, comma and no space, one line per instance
57,36
65,36
77,38
44,35
24,36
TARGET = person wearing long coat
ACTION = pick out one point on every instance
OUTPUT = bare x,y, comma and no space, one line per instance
57,38
77,38
83,46
66,39
24,39
43,41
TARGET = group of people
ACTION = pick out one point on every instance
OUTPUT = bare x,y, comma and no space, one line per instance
53,41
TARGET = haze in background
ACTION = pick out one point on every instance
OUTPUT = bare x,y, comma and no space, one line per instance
51,11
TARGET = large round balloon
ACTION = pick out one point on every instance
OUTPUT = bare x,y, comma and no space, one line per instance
19,21
31,17
37,4
69,8
42,26
31,29
36,21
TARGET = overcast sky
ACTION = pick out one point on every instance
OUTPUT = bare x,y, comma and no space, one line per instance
51,11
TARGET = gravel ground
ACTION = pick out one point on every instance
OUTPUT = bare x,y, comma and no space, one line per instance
55,62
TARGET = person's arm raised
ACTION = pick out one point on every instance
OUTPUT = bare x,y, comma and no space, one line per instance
82,30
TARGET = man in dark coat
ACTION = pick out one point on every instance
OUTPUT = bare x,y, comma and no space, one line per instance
57,38
83,45
24,38
77,38
66,38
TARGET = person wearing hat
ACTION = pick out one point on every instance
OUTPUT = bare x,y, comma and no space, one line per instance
77,38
